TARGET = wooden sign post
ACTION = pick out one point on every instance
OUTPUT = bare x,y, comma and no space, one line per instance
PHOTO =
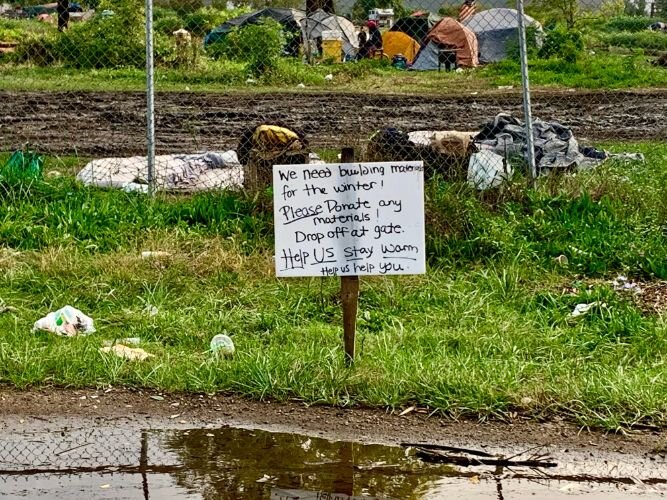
349,293
349,219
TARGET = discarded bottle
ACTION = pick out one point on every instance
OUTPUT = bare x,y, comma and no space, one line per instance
222,345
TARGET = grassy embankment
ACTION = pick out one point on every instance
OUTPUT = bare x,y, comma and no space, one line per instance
611,72
487,332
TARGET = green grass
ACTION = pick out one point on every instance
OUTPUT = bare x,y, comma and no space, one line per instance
486,332
647,40
599,71
631,24
23,27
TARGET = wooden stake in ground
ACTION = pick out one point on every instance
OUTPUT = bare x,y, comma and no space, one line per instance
349,292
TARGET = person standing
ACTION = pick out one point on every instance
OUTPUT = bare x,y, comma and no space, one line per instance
374,36
372,43
362,36
63,14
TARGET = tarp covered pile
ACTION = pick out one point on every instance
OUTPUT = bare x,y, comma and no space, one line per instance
259,149
449,153
555,145
445,153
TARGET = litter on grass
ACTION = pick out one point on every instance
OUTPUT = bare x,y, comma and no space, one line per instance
68,322
622,283
561,260
488,170
154,255
23,165
127,341
125,352
222,345
581,309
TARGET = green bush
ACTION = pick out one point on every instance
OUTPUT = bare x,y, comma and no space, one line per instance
562,43
114,41
532,47
38,50
182,7
109,42
166,21
260,46
205,19
10,35
629,23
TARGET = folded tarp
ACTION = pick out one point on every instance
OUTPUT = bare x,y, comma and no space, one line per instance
555,144
181,172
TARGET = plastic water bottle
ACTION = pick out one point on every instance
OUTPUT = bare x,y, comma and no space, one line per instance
222,345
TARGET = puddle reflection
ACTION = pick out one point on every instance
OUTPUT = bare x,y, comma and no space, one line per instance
237,463
231,463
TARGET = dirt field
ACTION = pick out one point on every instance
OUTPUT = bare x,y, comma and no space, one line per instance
98,123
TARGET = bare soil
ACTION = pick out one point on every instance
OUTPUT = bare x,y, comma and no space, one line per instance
113,123
54,407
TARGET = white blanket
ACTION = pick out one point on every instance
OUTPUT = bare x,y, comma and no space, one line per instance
182,172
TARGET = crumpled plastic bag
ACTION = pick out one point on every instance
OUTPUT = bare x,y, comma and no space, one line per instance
23,165
487,170
581,309
68,322
125,352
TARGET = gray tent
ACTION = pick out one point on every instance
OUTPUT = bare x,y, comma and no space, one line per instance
427,59
497,30
320,21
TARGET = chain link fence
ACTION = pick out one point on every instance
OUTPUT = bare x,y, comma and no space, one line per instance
239,87
99,461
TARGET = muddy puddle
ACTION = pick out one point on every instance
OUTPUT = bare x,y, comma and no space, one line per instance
235,463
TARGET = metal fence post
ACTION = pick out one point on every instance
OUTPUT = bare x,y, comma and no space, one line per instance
150,99
525,85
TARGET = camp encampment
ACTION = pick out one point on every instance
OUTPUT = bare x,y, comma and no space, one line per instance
496,30
295,22
290,19
416,26
396,42
448,34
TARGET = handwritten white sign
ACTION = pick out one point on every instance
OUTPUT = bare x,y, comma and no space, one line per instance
347,219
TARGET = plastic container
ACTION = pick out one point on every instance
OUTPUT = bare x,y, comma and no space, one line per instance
222,345
332,49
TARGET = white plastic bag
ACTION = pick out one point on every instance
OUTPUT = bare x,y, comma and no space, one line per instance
68,322
487,170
